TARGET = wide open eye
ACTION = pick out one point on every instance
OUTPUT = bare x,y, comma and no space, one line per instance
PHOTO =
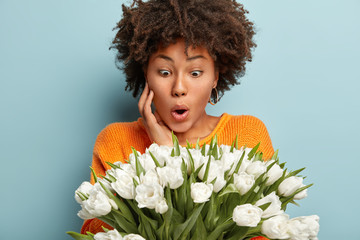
196,73
164,73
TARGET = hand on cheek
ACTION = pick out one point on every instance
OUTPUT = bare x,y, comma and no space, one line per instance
155,127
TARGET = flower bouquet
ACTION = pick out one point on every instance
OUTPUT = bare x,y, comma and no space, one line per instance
209,192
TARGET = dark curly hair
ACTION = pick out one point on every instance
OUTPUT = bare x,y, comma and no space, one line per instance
218,25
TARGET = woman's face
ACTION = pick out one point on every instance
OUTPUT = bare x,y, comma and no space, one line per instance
182,84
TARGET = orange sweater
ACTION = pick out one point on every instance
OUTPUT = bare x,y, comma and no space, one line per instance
115,141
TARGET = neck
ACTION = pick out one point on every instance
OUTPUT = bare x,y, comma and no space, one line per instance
201,130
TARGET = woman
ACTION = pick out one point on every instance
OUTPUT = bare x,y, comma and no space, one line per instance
182,54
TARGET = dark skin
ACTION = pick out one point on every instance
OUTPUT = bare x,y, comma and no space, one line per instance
181,82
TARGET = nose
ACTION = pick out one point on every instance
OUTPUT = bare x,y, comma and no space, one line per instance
179,88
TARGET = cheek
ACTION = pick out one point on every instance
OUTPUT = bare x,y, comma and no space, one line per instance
160,100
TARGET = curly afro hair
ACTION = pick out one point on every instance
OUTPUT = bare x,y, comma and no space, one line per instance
218,25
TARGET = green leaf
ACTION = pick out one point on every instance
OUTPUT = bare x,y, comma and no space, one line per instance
282,165
79,236
203,149
169,213
107,179
188,145
286,200
197,146
265,206
94,174
233,144
176,145
123,223
189,201
112,165
275,155
196,173
250,194
206,174
239,233
260,192
221,228
253,151
121,205
154,159
238,165
147,225
199,232
181,202
296,172
192,166
211,216
226,174
82,196
215,151
182,230
139,167
230,188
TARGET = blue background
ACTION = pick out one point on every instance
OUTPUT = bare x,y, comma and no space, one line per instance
60,87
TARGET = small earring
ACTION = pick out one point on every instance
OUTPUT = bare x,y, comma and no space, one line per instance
217,97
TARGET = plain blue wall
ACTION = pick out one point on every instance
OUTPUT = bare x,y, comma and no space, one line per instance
60,87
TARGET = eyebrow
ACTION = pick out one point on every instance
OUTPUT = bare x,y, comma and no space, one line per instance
188,59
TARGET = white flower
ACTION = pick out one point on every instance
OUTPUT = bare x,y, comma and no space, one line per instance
149,195
201,192
228,159
161,153
170,176
243,182
256,168
276,227
232,159
110,235
84,188
195,154
124,184
161,207
225,148
147,162
133,237
274,173
150,176
128,168
275,206
98,204
215,171
200,160
306,227
290,185
302,194
174,162
84,214
247,215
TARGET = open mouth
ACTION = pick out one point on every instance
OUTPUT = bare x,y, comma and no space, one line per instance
180,113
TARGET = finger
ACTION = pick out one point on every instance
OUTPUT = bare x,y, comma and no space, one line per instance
158,119
142,99
148,115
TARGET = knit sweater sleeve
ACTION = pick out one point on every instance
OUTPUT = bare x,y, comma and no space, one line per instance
252,131
113,144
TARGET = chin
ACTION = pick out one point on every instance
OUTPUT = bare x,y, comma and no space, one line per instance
180,127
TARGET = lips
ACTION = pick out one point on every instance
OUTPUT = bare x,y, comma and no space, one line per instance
180,112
